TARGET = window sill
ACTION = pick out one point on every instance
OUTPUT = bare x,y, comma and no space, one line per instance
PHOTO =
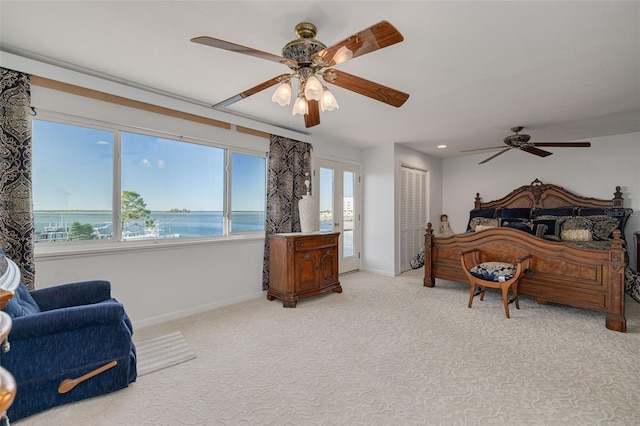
49,251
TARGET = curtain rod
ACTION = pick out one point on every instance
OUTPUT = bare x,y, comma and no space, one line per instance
122,101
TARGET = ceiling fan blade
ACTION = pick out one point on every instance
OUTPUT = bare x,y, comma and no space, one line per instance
375,37
483,149
495,155
312,117
252,91
233,47
564,144
535,151
364,87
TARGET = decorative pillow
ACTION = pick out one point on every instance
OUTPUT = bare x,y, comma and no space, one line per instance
632,283
577,223
494,271
594,211
480,213
597,214
554,226
21,303
417,261
511,213
603,226
490,213
474,222
555,212
575,235
484,227
539,230
522,225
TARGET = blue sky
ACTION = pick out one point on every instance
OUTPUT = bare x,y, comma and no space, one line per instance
72,170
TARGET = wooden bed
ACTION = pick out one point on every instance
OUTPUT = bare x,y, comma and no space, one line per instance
561,273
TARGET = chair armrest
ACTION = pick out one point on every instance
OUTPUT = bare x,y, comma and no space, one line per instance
73,294
66,320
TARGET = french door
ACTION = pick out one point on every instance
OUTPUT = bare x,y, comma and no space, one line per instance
337,186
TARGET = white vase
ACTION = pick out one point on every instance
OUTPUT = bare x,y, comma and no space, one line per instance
307,209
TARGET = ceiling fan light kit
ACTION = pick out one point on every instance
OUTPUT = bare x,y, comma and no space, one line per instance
282,95
307,58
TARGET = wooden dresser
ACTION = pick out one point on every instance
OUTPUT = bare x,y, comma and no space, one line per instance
302,265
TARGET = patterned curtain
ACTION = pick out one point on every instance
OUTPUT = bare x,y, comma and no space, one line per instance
16,206
287,164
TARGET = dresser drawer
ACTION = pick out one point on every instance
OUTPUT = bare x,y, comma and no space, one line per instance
315,242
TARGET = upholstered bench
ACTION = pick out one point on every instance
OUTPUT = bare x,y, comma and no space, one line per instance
500,275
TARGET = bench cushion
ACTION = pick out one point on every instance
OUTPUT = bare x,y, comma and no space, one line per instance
494,271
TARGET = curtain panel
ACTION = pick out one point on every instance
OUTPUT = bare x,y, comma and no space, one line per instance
287,163
16,204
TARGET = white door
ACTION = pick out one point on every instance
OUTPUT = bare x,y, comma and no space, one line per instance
413,214
338,188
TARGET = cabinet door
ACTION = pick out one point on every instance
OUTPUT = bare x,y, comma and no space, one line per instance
306,264
328,265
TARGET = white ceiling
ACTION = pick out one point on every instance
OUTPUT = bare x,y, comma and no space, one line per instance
565,70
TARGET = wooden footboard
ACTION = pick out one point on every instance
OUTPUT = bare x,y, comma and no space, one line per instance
590,279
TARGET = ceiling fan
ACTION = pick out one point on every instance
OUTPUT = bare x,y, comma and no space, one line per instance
521,142
309,58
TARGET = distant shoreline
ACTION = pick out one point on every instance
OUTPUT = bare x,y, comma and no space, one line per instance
152,211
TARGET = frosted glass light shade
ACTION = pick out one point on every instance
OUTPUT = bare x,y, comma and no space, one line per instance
328,101
282,95
300,106
313,88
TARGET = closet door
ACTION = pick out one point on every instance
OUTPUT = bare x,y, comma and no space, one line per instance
413,214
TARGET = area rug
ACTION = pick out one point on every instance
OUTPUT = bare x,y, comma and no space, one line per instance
162,352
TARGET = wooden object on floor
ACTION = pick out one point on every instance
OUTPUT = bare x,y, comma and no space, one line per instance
302,265
470,258
68,384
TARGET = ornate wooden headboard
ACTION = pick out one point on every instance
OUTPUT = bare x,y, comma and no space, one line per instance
546,195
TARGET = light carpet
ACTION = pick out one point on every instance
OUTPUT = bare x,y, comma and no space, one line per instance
386,351
161,352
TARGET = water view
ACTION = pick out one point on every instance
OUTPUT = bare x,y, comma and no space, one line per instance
57,225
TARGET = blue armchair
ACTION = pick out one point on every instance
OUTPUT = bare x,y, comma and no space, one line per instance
67,343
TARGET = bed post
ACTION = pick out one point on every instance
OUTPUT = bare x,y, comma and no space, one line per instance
429,279
615,319
618,201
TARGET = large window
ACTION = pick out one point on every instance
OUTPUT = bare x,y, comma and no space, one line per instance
159,189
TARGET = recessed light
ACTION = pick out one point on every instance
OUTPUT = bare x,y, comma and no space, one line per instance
442,146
